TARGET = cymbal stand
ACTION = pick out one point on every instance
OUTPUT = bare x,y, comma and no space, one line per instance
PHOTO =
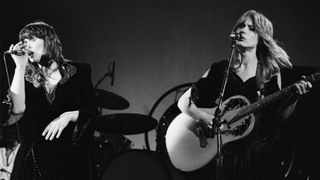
217,122
109,73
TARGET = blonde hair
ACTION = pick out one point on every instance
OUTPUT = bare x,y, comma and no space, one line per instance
270,55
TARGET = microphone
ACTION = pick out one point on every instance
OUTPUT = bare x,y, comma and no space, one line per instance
113,65
17,52
235,36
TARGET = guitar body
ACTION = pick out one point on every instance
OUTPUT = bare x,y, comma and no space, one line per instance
183,144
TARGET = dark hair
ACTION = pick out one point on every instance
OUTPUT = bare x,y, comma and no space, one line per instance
52,44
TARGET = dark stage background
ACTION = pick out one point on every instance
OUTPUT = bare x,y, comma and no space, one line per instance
160,44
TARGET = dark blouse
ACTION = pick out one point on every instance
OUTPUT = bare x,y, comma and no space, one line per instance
209,89
54,159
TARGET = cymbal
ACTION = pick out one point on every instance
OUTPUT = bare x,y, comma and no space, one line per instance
109,100
125,123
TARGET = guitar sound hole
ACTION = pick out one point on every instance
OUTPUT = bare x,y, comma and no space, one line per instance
240,129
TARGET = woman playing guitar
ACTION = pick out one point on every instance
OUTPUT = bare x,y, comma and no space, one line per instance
254,74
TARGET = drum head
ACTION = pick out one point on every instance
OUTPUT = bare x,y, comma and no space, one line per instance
164,122
139,165
106,148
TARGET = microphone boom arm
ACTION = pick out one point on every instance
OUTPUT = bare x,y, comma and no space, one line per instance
108,73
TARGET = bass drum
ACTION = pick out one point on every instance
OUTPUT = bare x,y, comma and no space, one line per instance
140,165
164,122
106,148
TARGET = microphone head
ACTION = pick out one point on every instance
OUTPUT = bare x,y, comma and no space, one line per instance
235,36
15,52
18,52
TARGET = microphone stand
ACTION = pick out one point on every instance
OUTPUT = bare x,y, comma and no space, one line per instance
103,77
91,154
217,123
3,138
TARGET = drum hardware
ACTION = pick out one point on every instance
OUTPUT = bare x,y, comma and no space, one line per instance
116,160
106,99
105,149
164,122
111,144
140,165
125,123
110,100
177,92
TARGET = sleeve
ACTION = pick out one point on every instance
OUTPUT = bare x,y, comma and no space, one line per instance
206,89
88,111
7,106
197,90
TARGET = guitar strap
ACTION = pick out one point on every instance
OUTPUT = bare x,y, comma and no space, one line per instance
260,94
260,83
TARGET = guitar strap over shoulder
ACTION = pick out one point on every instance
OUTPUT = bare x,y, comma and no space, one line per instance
260,90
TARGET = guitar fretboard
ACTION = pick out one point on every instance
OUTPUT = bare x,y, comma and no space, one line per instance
274,97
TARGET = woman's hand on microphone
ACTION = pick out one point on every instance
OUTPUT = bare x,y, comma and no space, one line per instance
20,61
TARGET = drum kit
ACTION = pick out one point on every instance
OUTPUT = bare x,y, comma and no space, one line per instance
120,123
113,156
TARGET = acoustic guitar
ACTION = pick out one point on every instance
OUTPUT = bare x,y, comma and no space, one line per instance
188,153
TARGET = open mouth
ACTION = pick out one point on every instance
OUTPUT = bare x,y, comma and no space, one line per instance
31,57
241,38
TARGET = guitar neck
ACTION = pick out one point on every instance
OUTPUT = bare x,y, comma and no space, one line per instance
275,97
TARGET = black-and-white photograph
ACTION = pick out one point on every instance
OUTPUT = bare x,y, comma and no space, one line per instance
159,90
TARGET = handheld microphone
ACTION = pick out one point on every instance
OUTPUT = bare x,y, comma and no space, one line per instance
17,52
235,36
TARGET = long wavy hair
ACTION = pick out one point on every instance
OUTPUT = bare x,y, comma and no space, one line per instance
270,55
52,44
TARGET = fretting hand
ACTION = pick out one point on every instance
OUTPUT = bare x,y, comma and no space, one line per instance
303,86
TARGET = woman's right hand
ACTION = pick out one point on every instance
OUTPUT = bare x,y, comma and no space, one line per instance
20,61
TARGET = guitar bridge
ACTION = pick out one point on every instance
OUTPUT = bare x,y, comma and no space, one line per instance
203,132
